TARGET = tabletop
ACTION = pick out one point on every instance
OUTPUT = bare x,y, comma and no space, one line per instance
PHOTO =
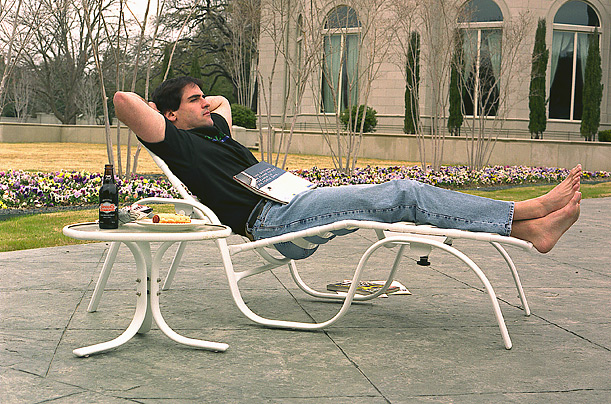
137,232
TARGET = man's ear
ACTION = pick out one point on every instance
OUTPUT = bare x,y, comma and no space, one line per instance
171,116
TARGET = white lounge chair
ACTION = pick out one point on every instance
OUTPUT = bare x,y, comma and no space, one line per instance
421,239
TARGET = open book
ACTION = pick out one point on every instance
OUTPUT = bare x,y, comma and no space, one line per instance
272,182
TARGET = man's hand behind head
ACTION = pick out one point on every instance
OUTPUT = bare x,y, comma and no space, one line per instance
152,105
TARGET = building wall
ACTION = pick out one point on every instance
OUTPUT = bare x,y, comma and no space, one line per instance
11,132
50,133
593,156
387,95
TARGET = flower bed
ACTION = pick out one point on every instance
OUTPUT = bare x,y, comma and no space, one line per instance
21,189
454,177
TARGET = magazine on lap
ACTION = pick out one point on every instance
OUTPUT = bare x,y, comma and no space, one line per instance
272,182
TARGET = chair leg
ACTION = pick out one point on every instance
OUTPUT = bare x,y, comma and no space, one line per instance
175,263
103,278
233,284
516,277
419,243
480,274
237,297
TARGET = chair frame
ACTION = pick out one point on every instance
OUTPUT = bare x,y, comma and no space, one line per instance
421,239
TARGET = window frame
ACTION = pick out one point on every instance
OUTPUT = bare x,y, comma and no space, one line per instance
575,30
478,27
343,33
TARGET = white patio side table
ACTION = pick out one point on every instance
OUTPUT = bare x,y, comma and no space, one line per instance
138,238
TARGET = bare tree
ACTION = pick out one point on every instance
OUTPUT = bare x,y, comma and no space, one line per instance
61,51
362,42
439,18
159,11
185,21
406,56
243,21
119,52
291,30
14,16
490,60
134,78
493,59
118,39
21,88
375,47
141,39
303,58
275,20
88,98
294,48
91,34
117,29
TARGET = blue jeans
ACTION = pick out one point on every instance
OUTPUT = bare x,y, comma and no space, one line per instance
390,202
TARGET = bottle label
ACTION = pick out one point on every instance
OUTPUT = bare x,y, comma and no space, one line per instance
107,207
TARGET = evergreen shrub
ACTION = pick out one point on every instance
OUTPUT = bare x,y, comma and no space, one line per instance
243,116
370,118
604,136
592,90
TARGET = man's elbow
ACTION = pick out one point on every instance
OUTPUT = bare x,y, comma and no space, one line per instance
119,99
123,103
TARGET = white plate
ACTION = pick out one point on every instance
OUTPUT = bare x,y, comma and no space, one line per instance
198,224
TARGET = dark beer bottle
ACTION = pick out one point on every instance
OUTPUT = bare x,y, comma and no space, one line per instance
109,200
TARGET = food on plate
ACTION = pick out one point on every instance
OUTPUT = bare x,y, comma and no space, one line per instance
171,218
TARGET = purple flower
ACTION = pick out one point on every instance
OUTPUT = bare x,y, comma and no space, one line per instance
23,189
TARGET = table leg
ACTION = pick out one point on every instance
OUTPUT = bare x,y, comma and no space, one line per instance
104,274
142,307
154,303
145,249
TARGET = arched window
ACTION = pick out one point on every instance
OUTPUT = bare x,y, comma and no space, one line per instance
481,25
339,85
574,22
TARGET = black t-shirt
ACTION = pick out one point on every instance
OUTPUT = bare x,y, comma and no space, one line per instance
207,167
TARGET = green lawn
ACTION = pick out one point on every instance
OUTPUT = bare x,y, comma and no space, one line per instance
521,193
44,230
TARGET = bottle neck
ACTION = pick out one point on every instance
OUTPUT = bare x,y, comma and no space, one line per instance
109,175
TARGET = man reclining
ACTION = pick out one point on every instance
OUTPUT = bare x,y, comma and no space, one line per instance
191,133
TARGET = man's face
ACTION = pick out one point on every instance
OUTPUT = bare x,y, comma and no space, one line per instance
193,111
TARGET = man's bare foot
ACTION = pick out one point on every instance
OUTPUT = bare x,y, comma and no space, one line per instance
562,193
554,200
544,232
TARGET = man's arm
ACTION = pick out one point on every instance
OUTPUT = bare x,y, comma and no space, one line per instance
220,105
139,116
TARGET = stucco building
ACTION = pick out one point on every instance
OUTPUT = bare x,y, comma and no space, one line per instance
347,32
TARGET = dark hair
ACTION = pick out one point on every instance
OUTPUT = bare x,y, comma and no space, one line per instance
168,95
